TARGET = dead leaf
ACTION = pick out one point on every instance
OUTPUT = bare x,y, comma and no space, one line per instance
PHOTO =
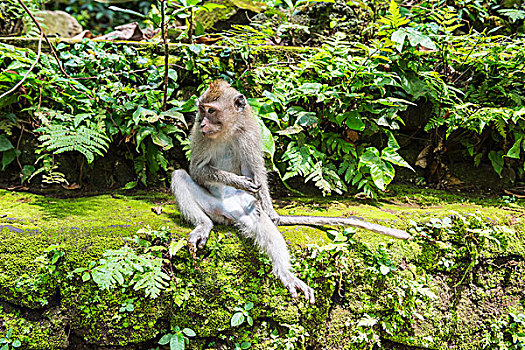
422,158
84,34
453,181
130,31
157,210
207,40
350,135
18,188
73,186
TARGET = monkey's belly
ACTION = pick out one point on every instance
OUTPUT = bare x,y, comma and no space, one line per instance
235,203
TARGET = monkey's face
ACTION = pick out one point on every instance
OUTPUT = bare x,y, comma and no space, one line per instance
210,119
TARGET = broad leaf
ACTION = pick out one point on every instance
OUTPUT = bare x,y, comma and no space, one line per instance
5,144
496,158
514,151
237,319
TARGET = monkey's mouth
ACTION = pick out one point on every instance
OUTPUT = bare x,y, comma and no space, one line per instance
209,134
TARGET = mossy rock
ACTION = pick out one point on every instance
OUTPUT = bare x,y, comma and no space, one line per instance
355,293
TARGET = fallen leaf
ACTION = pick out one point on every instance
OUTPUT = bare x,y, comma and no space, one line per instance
73,186
157,210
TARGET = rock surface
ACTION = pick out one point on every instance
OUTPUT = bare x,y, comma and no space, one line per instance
457,285
59,23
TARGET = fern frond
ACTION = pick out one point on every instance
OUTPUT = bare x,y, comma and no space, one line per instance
61,138
124,265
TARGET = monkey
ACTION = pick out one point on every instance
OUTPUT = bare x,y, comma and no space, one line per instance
227,184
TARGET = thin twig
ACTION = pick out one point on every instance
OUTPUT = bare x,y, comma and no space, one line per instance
39,52
18,146
166,53
45,37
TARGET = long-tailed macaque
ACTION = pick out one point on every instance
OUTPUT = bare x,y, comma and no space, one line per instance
227,183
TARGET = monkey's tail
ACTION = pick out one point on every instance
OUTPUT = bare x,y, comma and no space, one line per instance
289,220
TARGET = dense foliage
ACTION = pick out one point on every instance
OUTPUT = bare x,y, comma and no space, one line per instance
332,114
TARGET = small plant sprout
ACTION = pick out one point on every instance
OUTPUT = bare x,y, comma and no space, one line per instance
242,346
178,339
8,340
242,315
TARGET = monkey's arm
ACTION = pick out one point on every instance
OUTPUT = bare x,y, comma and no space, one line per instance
208,174
287,220
252,166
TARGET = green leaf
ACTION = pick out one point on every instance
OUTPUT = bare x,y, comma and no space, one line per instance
144,115
382,172
267,139
367,321
306,118
354,121
16,343
5,144
496,158
177,342
199,29
310,88
131,12
196,49
514,151
175,246
245,345
393,157
8,157
172,74
161,139
384,269
189,332
417,38
248,306
399,37
211,6
142,133
249,319
130,185
86,277
392,142
165,339
237,319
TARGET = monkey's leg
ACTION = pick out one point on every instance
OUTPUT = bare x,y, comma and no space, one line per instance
259,227
196,205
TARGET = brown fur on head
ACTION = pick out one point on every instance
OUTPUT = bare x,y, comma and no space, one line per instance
215,91
221,109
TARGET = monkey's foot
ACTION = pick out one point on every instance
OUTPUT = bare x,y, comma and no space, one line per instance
198,237
293,284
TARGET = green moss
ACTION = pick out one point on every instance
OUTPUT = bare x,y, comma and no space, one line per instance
230,272
45,334
97,315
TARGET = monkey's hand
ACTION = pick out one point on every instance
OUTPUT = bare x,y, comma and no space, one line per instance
293,283
247,184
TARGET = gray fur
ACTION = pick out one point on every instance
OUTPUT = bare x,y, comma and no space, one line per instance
227,181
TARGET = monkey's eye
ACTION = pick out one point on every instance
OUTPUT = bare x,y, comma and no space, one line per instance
211,110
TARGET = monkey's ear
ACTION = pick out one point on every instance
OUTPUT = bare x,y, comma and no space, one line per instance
240,102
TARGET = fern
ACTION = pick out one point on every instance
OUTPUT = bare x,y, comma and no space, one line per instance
307,161
448,19
394,19
63,138
434,123
124,266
